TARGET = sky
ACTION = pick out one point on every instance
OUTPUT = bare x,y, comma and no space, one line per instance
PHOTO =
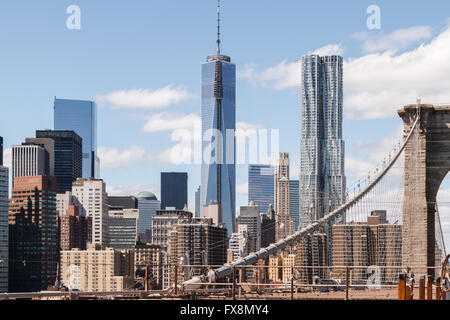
140,61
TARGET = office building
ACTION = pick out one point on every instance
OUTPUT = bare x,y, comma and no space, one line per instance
68,157
322,179
81,117
174,189
294,202
97,269
250,217
124,202
75,231
197,212
312,251
123,228
4,212
162,224
29,160
268,225
147,204
196,242
213,211
63,202
284,223
92,200
261,185
149,265
33,234
218,114
238,245
49,146
372,243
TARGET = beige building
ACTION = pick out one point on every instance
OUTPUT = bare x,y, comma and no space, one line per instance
92,199
150,257
97,269
284,224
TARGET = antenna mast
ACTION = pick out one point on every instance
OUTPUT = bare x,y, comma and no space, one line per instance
218,27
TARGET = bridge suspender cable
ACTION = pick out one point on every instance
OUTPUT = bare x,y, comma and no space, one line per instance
265,252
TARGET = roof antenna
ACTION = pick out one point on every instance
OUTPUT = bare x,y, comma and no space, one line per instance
218,27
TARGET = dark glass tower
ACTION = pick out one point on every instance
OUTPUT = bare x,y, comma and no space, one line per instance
174,192
218,113
67,157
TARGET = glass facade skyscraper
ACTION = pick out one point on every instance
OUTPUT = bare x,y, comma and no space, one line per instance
81,117
261,185
322,179
218,113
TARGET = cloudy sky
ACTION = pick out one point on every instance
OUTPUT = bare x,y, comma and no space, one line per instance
140,60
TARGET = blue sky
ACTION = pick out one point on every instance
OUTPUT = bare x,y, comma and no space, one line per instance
150,45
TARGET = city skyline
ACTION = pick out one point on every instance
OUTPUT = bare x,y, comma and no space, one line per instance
119,153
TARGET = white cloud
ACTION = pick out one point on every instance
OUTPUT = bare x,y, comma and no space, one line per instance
111,158
170,121
377,84
130,190
398,39
144,98
329,50
282,76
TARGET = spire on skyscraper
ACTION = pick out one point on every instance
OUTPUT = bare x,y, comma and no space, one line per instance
218,27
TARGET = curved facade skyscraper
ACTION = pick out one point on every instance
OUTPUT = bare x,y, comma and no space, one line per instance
322,177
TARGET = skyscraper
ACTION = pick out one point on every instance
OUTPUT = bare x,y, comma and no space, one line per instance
4,207
197,203
67,157
92,199
33,234
81,117
174,191
218,113
29,160
148,204
284,225
261,185
322,179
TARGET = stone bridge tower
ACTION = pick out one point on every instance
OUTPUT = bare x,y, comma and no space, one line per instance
427,162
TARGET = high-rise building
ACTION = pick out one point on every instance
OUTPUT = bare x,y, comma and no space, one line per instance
284,224
174,190
67,157
33,234
81,117
261,185
213,211
92,199
75,231
294,202
97,269
197,203
4,208
148,258
123,228
125,202
49,146
268,227
322,179
29,160
250,216
218,115
63,201
162,223
210,247
148,204
238,245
